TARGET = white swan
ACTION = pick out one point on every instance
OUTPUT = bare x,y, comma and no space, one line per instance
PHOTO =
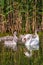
31,43
6,38
12,44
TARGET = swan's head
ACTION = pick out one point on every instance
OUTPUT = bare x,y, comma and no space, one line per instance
23,40
15,33
26,37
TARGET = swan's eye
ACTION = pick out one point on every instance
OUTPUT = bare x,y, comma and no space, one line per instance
25,39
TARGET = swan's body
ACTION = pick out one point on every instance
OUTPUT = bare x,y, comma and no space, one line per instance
31,43
35,43
12,44
10,41
27,43
6,38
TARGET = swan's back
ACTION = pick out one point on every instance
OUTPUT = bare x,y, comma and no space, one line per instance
9,42
37,37
15,38
28,36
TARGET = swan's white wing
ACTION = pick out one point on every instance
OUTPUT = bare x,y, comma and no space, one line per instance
11,44
35,45
6,38
8,43
27,36
27,44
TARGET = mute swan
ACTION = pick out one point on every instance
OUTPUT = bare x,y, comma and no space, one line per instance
31,43
12,44
6,38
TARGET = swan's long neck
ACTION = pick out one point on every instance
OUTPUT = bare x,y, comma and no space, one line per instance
15,38
37,36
